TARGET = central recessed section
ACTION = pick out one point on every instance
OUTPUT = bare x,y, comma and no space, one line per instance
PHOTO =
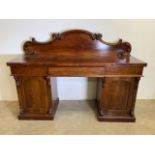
76,88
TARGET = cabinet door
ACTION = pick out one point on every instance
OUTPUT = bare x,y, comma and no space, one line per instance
117,95
34,94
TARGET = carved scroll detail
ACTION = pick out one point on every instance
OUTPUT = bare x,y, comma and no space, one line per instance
125,46
57,36
96,36
121,54
123,50
26,47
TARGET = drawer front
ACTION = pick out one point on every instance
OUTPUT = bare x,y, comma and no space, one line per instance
76,71
120,70
29,70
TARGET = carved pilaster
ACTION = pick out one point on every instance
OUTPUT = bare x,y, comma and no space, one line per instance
17,81
102,82
135,94
136,82
18,85
48,80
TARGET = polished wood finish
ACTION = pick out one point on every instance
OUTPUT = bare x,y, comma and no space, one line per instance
38,100
83,54
117,99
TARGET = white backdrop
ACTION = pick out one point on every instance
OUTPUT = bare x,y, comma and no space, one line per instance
140,33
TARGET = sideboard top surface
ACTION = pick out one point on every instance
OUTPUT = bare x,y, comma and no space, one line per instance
22,60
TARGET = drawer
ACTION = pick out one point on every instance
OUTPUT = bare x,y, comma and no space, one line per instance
123,70
28,70
76,71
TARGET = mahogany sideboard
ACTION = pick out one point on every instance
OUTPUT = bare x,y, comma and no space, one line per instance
77,53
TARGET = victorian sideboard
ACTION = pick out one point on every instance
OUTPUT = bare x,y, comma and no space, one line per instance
77,53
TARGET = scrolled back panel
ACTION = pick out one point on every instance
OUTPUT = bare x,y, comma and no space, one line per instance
78,44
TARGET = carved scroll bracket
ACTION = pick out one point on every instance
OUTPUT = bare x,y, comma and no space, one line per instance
57,36
27,45
123,50
125,46
96,36
121,54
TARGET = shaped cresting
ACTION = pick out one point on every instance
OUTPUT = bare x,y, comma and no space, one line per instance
83,44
